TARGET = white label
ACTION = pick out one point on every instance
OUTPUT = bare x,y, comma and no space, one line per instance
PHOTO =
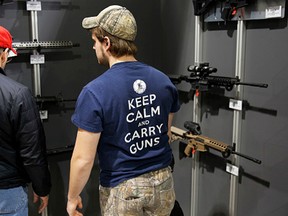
37,59
33,6
234,170
273,12
11,54
235,104
43,114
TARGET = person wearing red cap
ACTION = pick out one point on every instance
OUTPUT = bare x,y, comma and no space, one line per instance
6,42
22,143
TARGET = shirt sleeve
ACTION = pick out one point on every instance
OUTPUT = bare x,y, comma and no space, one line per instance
88,113
176,104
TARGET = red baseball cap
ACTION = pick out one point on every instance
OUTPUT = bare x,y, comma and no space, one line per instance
6,39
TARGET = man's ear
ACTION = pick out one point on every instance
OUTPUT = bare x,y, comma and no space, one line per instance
107,42
2,59
3,56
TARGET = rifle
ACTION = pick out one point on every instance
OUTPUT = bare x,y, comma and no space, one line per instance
201,80
52,99
198,142
228,10
43,45
59,150
2,2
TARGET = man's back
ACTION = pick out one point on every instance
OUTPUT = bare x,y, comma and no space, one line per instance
22,138
10,168
132,101
22,142
125,115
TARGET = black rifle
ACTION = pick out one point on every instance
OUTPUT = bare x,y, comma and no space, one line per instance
2,2
39,45
59,150
52,99
228,7
201,80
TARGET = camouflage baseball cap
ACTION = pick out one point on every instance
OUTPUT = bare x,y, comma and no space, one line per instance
116,20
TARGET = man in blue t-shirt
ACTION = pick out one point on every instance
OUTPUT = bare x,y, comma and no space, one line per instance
124,115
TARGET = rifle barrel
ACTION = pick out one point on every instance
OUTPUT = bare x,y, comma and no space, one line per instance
247,157
261,85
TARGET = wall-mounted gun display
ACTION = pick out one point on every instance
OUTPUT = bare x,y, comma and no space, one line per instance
201,80
53,104
197,142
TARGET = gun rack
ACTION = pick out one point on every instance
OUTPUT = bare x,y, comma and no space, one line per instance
37,58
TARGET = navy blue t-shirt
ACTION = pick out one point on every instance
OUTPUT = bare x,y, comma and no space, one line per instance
129,104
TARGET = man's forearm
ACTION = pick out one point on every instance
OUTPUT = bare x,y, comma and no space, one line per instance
82,161
79,174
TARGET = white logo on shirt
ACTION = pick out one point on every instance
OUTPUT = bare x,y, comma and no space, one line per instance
139,86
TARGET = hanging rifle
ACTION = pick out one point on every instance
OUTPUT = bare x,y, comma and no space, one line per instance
52,99
201,80
197,142
38,45
4,2
59,150
228,7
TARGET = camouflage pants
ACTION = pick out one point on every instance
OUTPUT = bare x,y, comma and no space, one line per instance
149,194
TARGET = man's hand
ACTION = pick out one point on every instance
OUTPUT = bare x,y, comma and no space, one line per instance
72,206
43,204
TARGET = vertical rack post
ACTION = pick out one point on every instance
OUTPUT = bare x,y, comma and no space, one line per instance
36,67
196,118
239,71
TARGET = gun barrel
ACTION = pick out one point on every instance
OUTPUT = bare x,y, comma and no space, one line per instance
247,157
261,85
52,99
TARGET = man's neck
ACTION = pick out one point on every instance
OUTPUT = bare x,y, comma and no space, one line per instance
113,60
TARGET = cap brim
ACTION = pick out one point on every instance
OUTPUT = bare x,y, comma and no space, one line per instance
12,52
90,22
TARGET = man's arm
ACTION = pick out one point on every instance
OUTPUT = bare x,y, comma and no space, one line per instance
80,167
30,139
170,120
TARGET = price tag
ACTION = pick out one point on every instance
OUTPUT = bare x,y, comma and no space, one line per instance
33,6
273,12
43,114
37,59
232,169
235,104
